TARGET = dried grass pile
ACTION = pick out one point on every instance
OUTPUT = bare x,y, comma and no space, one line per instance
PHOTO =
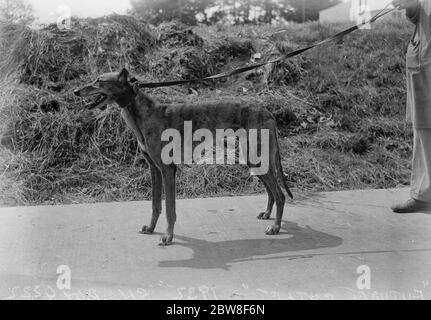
175,33
183,54
53,56
287,72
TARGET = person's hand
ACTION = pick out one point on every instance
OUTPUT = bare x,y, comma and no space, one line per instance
404,4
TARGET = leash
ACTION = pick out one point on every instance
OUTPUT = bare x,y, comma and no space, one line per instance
337,37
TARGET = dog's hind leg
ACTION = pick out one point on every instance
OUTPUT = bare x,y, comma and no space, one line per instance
280,200
271,200
157,190
169,175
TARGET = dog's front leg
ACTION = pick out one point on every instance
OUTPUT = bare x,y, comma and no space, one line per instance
169,174
157,190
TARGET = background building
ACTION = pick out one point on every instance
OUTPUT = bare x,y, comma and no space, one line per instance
356,11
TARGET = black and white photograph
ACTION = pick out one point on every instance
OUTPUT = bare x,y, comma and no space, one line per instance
215,155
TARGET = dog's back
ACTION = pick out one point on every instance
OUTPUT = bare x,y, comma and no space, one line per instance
212,115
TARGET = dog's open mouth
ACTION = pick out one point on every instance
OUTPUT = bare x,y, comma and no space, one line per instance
99,102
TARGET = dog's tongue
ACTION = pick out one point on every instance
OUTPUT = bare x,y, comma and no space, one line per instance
95,103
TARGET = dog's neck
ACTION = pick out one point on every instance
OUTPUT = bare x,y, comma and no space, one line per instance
126,98
134,98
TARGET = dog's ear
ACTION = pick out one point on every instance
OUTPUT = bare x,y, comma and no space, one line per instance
124,76
135,88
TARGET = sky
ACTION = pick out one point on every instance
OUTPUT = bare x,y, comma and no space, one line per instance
48,11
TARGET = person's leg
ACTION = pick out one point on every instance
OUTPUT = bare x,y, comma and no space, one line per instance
421,175
421,169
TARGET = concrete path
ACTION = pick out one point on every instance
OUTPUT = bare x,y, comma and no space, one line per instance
345,245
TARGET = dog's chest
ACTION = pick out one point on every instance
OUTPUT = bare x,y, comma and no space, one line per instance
130,120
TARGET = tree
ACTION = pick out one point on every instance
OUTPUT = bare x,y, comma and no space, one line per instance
247,11
268,6
234,11
16,11
157,11
306,10
193,8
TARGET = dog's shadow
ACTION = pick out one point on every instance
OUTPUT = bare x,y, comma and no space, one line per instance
215,255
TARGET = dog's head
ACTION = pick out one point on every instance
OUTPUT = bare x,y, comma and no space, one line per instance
108,88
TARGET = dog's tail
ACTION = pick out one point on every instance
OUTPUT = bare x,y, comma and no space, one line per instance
280,171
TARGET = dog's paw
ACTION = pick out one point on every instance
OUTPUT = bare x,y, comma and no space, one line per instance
147,230
264,216
166,240
273,230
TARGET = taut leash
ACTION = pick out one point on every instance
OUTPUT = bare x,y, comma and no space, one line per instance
339,36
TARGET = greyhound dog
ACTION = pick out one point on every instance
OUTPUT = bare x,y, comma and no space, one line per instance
149,119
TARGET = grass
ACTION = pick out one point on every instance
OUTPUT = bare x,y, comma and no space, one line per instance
340,108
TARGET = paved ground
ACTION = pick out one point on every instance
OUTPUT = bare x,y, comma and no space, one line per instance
330,244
